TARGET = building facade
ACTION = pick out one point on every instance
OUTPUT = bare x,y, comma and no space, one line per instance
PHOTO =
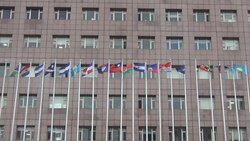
208,101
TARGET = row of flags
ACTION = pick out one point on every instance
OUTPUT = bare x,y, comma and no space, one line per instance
65,69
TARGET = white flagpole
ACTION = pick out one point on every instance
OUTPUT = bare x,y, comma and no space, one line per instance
107,114
78,108
223,106
41,104
236,105
211,103
121,137
186,114
133,103
248,94
93,102
67,109
172,102
146,94
197,98
27,104
14,111
159,99
2,93
53,102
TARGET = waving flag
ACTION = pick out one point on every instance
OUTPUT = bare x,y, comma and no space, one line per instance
240,68
103,68
153,68
139,67
166,66
127,68
206,68
15,72
180,68
25,68
76,69
115,68
39,70
89,69
50,69
64,69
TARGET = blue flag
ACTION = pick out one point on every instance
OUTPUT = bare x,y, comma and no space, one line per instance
103,68
139,67
180,68
50,69
39,70
64,69
76,69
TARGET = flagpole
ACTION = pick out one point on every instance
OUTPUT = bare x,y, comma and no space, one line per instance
133,103
14,111
248,94
121,137
67,109
197,98
236,105
185,93
53,102
107,114
2,93
223,106
159,99
93,101
172,103
211,103
78,100
146,94
27,104
41,104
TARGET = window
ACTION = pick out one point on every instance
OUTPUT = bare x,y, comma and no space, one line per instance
145,14
146,42
34,13
85,133
173,15
174,43
5,41
29,133
86,101
32,41
90,14
178,102
202,43
3,105
1,131
207,134
228,15
114,133
231,43
201,15
61,41
118,42
229,74
150,75
7,12
202,74
89,42
118,14
179,133
58,133
115,102
151,133
177,72
231,105
31,101
2,69
62,13
151,102
60,102
234,136
205,102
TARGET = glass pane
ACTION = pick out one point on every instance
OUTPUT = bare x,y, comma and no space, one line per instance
6,13
62,15
90,15
34,14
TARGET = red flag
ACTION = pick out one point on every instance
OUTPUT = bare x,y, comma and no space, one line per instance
204,68
25,67
115,68
166,66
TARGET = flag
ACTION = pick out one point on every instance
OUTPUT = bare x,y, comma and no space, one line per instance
15,71
139,67
76,69
153,68
25,68
103,68
64,69
127,68
166,66
206,68
240,68
38,70
26,73
115,68
50,69
180,68
89,69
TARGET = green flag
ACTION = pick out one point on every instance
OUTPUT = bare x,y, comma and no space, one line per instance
15,72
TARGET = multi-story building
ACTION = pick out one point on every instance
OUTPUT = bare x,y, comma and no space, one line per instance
198,104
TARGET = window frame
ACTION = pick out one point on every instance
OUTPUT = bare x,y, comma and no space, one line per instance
150,15
172,41
151,133
142,40
5,9
151,99
88,129
58,10
86,39
29,133
23,102
32,39
112,99
57,130
85,14
231,105
235,44
203,129
113,40
65,39
112,129
83,99
29,13
200,41
207,100
225,13
182,130
62,105
199,12
114,12
8,41
173,14
233,130
181,102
